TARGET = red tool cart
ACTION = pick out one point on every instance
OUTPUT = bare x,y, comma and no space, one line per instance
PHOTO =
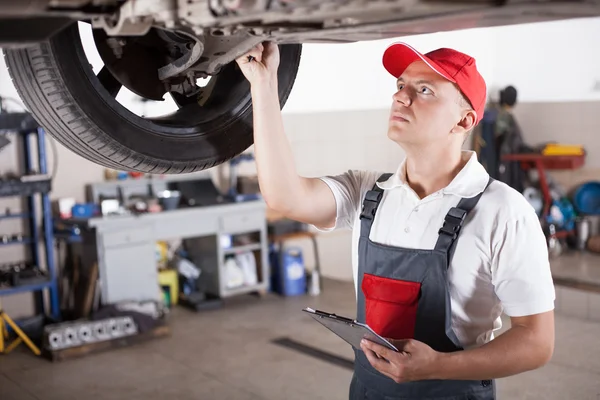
542,163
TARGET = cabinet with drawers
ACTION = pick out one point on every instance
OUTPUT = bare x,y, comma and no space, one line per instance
126,248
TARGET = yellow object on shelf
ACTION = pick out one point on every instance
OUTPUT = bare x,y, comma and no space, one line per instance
169,277
558,149
162,254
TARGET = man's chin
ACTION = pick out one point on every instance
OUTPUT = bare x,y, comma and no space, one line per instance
399,136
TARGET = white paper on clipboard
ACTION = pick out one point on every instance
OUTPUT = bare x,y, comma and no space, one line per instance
348,329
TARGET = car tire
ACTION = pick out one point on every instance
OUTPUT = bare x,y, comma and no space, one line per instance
60,89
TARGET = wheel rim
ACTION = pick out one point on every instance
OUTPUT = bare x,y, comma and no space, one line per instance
222,102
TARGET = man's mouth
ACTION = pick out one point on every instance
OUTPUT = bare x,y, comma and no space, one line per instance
399,118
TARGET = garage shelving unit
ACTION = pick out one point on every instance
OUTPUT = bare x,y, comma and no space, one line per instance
32,185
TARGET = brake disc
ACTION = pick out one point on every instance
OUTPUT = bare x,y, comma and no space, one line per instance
133,62
152,64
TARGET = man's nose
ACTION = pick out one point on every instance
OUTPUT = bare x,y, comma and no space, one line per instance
403,97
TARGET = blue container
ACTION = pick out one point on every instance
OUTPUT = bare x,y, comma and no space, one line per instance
84,210
587,198
289,275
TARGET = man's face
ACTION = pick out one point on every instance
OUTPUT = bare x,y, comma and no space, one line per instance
426,107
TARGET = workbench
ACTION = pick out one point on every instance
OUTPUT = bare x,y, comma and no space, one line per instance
126,247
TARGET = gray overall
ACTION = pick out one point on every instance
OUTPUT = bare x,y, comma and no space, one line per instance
404,294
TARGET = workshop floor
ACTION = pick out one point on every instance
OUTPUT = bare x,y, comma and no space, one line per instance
577,266
231,354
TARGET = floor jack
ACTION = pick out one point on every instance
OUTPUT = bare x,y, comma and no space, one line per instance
5,347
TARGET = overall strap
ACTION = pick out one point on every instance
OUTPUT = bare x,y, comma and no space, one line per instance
370,205
453,223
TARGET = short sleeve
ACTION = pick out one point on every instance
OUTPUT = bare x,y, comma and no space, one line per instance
348,190
521,269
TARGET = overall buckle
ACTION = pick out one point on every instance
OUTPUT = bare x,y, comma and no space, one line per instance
456,214
370,204
453,222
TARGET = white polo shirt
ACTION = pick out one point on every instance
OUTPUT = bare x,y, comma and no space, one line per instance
500,261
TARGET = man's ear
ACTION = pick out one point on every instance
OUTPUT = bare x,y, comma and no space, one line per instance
467,122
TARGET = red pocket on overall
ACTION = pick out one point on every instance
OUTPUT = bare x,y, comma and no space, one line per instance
391,306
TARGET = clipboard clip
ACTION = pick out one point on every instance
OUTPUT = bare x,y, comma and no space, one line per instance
323,314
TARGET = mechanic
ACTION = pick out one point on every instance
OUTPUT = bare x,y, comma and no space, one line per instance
440,250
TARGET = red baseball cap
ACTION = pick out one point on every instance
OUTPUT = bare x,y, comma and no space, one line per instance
457,67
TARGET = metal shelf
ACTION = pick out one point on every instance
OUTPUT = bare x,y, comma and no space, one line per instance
68,238
17,122
25,288
245,289
13,242
15,216
24,188
33,184
242,249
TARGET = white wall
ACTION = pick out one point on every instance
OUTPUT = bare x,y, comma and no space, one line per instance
549,62
338,77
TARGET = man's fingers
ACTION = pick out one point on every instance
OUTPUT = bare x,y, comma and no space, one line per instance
258,52
379,349
269,48
377,363
408,345
255,54
404,345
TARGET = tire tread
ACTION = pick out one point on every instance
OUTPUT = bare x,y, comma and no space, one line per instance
39,83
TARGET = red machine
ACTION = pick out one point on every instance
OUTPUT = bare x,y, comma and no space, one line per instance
542,163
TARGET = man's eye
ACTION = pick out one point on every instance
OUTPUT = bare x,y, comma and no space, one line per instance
425,90
400,86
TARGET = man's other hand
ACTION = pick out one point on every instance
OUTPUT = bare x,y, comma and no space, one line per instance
414,360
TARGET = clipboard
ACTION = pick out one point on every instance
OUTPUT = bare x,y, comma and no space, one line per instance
348,329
